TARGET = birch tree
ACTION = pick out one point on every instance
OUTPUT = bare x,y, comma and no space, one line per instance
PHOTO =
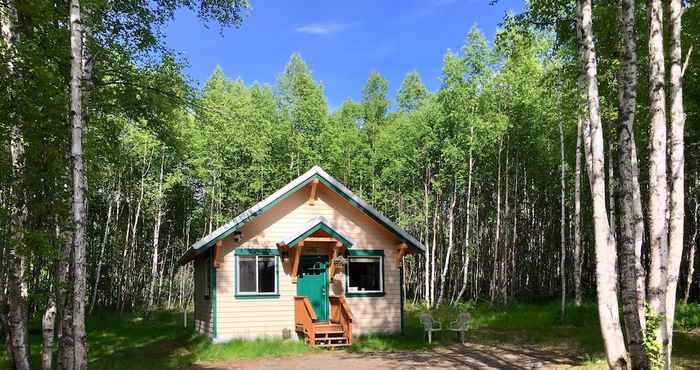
606,254
632,225
79,205
17,290
677,163
658,191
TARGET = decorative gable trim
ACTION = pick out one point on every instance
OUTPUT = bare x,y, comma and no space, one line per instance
315,173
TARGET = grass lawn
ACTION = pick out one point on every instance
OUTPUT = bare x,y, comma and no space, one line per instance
160,342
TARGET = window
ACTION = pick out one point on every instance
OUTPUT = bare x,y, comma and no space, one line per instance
365,275
257,275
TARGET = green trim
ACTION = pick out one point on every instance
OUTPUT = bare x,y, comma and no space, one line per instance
257,296
293,190
247,252
259,212
359,294
324,227
365,211
213,297
256,252
366,253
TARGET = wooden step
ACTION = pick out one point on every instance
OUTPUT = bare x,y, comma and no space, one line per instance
327,327
337,345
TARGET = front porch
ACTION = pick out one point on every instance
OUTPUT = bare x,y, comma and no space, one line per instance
337,332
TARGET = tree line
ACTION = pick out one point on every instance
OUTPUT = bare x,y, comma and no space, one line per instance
113,164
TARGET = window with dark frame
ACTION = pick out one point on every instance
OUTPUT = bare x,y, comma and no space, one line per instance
257,275
365,275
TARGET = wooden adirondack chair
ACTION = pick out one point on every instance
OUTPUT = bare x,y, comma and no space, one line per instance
461,325
429,326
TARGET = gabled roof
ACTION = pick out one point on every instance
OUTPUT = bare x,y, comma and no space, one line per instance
316,172
318,223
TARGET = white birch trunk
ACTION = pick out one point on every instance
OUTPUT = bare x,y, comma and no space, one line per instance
100,260
691,254
677,163
497,232
450,243
606,254
426,184
79,206
632,226
156,236
578,295
465,270
562,226
17,291
658,191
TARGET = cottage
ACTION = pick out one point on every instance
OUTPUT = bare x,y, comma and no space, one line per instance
312,260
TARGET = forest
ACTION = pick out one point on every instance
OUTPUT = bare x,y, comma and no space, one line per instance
558,161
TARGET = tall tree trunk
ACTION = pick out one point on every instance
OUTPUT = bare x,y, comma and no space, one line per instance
578,294
79,206
426,210
100,260
156,235
17,290
611,188
450,242
562,223
677,163
465,261
48,325
691,254
631,222
65,306
606,253
658,191
497,232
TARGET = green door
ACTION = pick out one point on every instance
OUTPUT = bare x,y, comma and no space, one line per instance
312,282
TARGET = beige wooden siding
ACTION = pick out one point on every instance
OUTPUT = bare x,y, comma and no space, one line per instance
202,306
275,316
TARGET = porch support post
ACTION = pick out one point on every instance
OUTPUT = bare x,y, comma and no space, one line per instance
295,262
217,253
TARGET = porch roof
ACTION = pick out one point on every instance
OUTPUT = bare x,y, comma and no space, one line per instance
316,224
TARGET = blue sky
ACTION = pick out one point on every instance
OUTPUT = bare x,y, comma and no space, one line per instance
340,41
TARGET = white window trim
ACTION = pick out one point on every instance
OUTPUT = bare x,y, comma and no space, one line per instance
256,293
381,275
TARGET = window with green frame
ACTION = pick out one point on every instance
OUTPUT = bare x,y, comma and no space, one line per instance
365,275
256,275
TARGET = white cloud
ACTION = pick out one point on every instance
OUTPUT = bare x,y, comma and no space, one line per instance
325,28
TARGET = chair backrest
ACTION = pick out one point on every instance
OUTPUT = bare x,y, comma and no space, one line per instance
426,320
463,320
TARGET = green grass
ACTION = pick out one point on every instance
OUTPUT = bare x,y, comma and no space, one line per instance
521,323
130,341
160,342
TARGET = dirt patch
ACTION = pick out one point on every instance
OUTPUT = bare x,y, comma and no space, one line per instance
458,356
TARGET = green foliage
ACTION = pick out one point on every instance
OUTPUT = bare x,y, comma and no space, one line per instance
687,317
652,348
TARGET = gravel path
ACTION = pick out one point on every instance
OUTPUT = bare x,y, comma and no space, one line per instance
459,356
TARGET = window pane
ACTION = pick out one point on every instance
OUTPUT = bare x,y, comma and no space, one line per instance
266,274
246,274
365,275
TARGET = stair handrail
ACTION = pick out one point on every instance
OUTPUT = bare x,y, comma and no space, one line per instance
304,315
341,314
